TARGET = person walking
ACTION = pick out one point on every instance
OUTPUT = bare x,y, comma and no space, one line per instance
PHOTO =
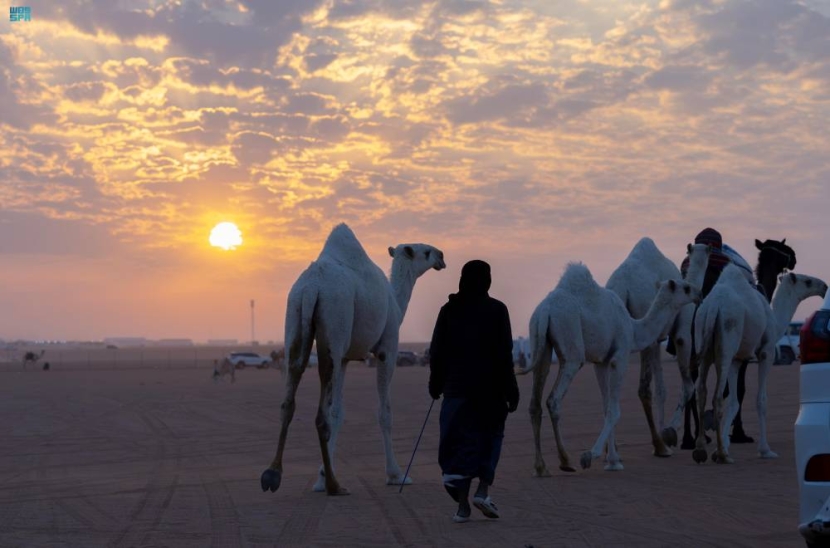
471,365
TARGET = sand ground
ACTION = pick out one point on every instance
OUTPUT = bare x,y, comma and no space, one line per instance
162,456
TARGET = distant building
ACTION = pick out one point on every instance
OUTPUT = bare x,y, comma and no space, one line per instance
123,342
173,342
223,342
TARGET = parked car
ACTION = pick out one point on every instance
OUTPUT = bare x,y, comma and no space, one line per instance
244,359
786,351
407,358
812,430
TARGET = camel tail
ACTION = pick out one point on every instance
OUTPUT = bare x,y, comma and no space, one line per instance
299,325
539,323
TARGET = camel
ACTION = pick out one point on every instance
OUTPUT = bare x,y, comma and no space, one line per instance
345,302
225,368
636,282
31,357
582,322
735,323
774,257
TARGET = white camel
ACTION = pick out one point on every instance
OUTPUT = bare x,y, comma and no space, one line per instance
636,282
345,303
735,323
582,322
31,357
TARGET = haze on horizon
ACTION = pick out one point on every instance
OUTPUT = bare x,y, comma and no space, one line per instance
523,132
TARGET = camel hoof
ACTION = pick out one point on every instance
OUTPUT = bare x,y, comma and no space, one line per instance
722,459
270,480
542,472
614,467
663,454
398,480
567,468
585,460
337,491
699,455
768,454
669,436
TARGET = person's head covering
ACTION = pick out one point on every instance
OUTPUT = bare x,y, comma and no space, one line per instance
711,237
475,279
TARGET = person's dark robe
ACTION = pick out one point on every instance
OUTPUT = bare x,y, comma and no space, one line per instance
471,364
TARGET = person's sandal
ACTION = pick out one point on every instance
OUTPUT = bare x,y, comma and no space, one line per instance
487,507
458,518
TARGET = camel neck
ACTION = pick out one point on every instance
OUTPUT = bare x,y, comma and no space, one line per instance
784,305
402,281
649,328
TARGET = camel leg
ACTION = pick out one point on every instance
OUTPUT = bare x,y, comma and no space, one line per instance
335,422
764,362
686,402
738,434
699,454
567,371
272,476
724,364
609,377
540,375
385,370
731,402
650,362
326,366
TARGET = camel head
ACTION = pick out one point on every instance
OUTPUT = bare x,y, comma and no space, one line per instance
777,256
698,256
802,286
421,256
677,294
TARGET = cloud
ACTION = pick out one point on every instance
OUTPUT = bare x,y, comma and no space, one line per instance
479,124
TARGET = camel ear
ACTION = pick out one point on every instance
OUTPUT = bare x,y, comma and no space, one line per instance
758,244
793,279
673,285
784,241
688,249
391,251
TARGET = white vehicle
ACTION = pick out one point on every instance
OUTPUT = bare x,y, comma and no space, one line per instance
243,359
812,430
787,349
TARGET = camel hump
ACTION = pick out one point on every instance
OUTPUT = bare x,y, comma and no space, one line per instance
646,247
343,247
577,279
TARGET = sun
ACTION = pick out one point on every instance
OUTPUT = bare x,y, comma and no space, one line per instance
225,235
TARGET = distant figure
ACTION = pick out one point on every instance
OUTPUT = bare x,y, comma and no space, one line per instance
227,368
522,360
471,364
278,358
32,357
46,366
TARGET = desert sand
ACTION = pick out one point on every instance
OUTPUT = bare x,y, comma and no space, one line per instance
152,453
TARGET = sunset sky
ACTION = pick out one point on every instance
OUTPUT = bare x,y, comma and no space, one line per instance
527,133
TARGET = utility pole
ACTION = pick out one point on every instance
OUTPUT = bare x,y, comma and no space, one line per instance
253,335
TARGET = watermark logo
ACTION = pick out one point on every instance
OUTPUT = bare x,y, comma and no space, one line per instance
18,13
